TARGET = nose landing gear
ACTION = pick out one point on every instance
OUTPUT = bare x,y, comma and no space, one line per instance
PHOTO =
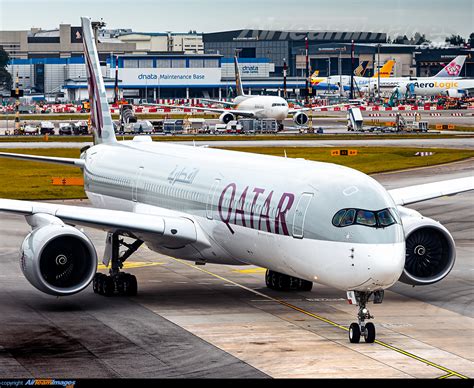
366,329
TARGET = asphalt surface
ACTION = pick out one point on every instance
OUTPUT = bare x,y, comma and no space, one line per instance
454,142
221,323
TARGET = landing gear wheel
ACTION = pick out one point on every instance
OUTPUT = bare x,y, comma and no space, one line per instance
369,333
108,286
118,282
281,282
305,285
354,333
98,283
367,329
130,285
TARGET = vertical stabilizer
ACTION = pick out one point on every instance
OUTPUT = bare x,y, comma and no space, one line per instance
386,69
238,82
101,119
453,68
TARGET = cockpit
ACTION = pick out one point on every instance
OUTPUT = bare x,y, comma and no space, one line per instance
278,104
375,219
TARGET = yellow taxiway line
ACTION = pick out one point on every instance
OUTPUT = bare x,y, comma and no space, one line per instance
133,264
328,321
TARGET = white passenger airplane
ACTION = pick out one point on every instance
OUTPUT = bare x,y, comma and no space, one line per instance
304,221
446,81
252,106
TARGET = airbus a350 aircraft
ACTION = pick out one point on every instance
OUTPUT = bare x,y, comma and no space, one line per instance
304,221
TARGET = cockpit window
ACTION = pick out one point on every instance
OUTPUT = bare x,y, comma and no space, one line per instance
366,217
375,219
336,220
385,217
348,218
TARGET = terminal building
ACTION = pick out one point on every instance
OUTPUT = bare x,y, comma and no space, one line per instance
167,65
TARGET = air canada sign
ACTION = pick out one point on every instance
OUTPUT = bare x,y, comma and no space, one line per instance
157,77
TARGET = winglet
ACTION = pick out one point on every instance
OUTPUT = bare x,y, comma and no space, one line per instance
101,118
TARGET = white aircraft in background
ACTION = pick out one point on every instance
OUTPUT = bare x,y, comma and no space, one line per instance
304,221
445,82
253,106
334,82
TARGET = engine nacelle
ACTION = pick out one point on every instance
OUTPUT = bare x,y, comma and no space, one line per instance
456,93
300,118
226,117
58,259
430,249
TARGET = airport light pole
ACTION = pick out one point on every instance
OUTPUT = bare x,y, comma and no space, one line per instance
378,72
285,69
307,68
352,69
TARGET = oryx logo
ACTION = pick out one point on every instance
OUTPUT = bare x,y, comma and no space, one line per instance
453,69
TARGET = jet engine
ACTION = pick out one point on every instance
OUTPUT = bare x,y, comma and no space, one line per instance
226,117
456,93
430,249
58,259
300,118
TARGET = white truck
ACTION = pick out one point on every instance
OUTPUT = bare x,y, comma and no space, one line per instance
355,121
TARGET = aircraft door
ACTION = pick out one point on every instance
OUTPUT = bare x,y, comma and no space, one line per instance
136,184
300,214
211,198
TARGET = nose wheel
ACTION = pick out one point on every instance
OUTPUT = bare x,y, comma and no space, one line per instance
363,328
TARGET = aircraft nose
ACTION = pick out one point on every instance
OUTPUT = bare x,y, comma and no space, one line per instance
387,267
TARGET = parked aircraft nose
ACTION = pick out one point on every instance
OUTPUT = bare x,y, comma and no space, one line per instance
282,113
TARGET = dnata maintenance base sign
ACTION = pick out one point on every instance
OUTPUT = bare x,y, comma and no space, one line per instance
156,77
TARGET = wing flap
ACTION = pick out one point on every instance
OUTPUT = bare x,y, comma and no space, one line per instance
419,193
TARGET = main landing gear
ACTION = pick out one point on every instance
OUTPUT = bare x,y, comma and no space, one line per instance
281,282
118,282
367,330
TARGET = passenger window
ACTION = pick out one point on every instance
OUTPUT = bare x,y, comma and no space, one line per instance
348,218
365,217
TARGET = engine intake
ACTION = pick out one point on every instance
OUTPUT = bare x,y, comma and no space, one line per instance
58,259
430,251
226,117
300,118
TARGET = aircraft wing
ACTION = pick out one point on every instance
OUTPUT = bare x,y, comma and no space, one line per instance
49,159
297,110
178,230
237,112
419,193
219,102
